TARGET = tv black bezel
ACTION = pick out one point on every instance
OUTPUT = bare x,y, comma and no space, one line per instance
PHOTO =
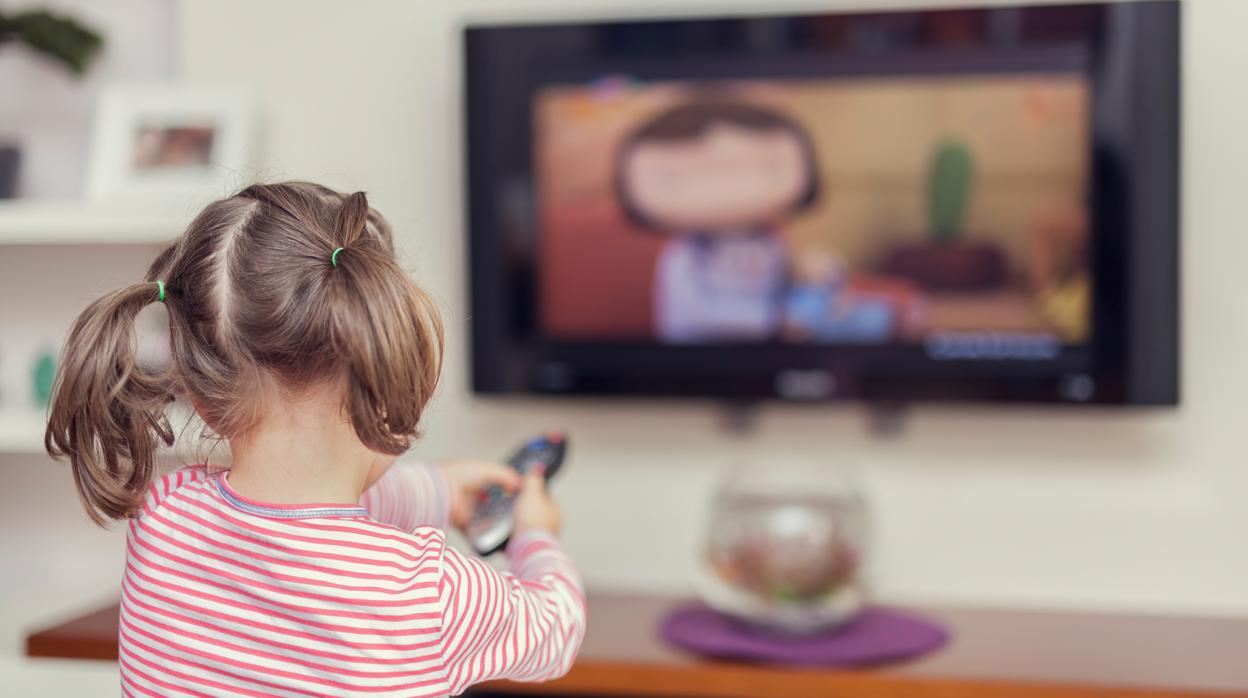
1135,356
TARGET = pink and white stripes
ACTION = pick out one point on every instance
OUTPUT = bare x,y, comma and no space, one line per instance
227,596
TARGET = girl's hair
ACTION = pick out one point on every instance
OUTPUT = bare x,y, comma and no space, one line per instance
690,121
255,305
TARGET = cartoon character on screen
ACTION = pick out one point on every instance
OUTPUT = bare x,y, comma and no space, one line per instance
720,178
821,306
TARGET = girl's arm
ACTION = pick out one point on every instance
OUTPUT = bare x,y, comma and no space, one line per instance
526,625
410,495
418,494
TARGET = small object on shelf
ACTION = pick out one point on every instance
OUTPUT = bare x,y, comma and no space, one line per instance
875,636
785,548
10,165
168,143
43,375
27,371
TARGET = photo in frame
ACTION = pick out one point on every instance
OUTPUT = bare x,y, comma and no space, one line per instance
161,142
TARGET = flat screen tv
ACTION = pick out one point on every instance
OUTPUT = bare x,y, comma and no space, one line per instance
967,204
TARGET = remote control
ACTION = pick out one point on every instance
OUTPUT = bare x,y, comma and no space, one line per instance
489,529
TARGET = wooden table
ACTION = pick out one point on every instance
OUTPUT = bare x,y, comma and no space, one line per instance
1007,654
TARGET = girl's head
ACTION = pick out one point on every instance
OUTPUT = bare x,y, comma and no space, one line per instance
715,166
260,309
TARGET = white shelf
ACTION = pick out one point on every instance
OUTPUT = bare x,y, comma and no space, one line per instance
21,431
72,222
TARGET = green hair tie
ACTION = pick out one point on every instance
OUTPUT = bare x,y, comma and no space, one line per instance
333,258
160,286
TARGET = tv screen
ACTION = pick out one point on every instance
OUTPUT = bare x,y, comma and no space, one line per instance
957,204
820,211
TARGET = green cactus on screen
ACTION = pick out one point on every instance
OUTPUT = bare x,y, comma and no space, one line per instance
950,184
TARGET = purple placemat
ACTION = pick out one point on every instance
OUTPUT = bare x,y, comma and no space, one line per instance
877,635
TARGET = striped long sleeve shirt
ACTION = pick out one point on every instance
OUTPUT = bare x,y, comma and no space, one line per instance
224,595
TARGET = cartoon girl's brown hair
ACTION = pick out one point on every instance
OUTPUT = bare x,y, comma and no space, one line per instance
690,121
255,308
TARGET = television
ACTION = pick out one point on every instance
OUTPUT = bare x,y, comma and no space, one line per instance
890,206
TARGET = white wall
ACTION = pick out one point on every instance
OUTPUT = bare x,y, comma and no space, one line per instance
1026,507
1010,506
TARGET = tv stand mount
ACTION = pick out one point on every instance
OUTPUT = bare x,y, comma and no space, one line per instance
884,419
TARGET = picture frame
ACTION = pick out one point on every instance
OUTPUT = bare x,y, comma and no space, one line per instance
168,141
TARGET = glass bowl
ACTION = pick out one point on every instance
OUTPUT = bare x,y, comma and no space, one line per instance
785,548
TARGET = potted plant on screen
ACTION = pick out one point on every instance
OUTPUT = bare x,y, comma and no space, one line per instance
946,261
62,40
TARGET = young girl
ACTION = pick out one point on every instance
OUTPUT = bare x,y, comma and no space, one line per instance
310,566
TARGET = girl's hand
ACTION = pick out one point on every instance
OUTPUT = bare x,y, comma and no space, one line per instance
534,510
469,479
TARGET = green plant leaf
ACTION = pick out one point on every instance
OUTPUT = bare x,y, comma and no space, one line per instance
60,38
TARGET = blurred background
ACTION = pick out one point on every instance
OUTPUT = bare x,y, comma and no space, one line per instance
1025,507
